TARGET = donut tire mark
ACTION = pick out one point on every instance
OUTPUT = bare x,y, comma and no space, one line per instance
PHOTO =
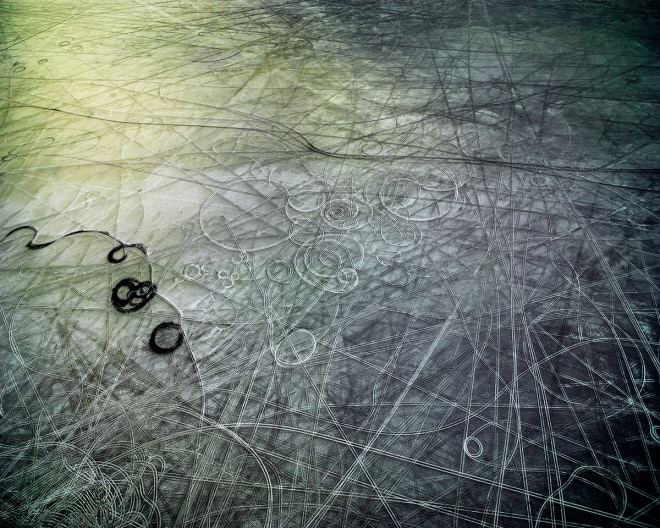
130,294
165,349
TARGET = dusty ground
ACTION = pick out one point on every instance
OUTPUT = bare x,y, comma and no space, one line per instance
334,264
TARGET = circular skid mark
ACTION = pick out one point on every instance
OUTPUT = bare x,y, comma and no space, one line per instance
473,447
330,262
117,254
294,348
227,279
70,307
344,214
340,213
279,271
411,199
247,216
191,271
397,234
493,440
306,198
336,214
130,294
166,337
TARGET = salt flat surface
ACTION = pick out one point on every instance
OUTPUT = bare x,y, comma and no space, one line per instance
329,264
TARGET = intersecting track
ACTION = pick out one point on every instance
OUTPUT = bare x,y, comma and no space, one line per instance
329,264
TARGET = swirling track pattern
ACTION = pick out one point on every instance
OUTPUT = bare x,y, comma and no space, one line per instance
329,264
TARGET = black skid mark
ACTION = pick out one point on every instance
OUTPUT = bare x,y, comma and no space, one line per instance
166,337
130,294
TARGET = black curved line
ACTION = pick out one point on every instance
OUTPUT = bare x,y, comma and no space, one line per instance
165,350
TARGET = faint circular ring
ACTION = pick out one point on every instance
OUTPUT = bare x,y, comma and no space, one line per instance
295,348
473,453
330,262
279,271
191,271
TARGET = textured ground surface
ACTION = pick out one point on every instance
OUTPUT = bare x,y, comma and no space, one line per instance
329,264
